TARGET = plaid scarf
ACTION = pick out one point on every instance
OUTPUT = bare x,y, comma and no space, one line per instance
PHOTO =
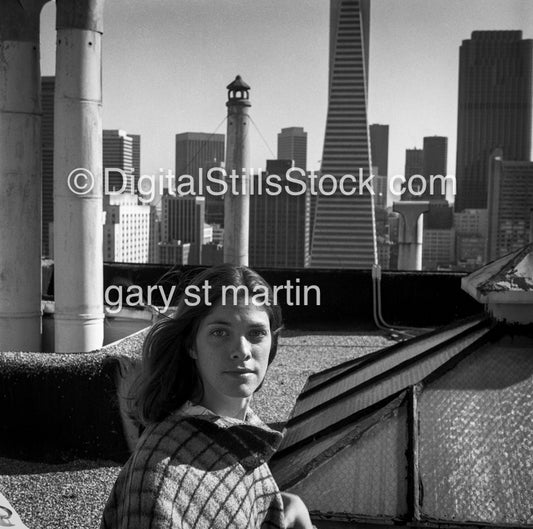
198,471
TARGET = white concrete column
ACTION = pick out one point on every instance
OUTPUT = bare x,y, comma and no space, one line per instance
237,205
411,233
78,213
20,176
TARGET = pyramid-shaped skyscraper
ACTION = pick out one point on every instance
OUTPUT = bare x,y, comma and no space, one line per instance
344,227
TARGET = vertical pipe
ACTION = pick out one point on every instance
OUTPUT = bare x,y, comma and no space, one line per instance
237,201
410,233
531,225
20,176
78,212
413,468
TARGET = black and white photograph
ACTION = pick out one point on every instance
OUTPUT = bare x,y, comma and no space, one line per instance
266,264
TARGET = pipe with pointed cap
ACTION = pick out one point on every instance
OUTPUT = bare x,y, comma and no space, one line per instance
237,204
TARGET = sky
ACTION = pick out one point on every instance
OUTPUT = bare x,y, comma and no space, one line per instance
166,64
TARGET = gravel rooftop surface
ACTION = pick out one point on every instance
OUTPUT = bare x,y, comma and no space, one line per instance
72,495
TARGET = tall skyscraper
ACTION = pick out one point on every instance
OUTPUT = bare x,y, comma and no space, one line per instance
118,149
435,162
195,150
127,228
414,165
344,228
182,220
292,145
379,146
47,164
510,205
279,224
495,104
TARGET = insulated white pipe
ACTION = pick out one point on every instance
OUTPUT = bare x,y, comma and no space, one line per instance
78,213
20,176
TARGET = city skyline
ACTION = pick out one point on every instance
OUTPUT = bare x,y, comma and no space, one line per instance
413,91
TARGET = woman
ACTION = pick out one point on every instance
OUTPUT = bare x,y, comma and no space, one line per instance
202,459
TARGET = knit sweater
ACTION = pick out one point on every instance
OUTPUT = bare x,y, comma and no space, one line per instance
201,471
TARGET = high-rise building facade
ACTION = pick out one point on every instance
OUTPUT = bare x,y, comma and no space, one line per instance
279,224
379,146
380,185
47,161
414,165
118,153
126,237
292,145
438,249
344,228
128,225
136,158
182,219
214,198
495,105
198,150
471,227
510,201
174,252
155,235
434,164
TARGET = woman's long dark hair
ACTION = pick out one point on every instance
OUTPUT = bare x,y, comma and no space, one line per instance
169,376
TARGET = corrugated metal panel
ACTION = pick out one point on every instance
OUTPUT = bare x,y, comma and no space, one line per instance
367,478
387,359
383,388
476,438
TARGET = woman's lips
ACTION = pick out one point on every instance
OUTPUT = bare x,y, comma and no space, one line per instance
240,371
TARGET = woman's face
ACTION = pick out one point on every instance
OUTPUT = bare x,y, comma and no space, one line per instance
231,350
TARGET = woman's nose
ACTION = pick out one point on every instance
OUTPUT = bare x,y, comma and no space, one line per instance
242,348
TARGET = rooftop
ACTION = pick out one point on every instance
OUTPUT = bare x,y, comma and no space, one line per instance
73,494
63,433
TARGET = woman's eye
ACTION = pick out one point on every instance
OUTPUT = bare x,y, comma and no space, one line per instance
219,332
258,333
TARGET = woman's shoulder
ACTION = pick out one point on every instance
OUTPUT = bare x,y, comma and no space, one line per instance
190,434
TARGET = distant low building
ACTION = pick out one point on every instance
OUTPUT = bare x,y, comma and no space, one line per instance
510,202
292,145
212,254
438,249
126,230
471,227
174,252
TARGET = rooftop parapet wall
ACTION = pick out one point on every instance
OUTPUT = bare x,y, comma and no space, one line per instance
58,407
419,299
